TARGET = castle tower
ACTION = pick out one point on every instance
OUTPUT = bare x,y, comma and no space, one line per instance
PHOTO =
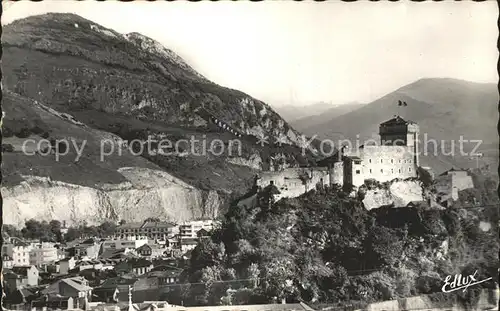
400,132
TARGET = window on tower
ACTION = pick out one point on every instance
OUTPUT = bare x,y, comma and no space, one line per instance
358,172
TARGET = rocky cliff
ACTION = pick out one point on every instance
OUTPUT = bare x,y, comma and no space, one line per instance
399,193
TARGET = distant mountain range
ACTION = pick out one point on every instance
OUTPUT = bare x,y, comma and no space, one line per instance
323,116
445,110
292,113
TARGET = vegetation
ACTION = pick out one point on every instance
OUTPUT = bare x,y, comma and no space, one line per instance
324,247
52,231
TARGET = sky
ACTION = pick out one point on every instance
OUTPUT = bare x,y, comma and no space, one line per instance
306,52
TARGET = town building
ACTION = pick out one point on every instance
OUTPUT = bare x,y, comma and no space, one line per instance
75,287
154,230
89,249
54,303
138,266
96,264
150,250
130,242
18,251
7,261
21,276
42,253
67,264
189,229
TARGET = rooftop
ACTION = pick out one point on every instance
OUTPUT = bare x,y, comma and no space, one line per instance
397,120
21,270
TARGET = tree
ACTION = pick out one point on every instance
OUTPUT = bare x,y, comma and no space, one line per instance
107,229
73,234
122,222
55,229
11,231
383,247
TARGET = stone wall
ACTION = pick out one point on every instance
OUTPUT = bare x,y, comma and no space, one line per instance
290,181
384,163
338,173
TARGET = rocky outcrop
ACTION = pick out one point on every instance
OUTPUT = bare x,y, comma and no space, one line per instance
146,193
399,193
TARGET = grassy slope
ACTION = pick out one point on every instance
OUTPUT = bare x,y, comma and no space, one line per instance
23,113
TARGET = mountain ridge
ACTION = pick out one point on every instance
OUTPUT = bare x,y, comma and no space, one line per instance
126,86
446,109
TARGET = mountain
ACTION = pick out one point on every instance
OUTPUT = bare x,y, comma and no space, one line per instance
292,113
302,124
62,71
444,108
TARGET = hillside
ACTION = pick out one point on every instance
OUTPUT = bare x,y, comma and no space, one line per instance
445,109
320,117
326,248
127,86
76,188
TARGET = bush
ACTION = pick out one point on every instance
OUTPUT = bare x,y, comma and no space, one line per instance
23,133
7,132
7,148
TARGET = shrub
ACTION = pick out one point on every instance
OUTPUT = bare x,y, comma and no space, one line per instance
23,133
7,148
7,132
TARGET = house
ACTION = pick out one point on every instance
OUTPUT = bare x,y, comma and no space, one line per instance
138,266
97,264
61,254
19,251
150,250
67,264
54,303
96,277
42,253
24,295
74,287
187,244
113,289
189,229
89,249
131,242
7,261
29,274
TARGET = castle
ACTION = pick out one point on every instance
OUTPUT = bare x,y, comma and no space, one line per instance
396,157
